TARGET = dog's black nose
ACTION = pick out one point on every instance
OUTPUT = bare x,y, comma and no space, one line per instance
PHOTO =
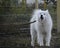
41,17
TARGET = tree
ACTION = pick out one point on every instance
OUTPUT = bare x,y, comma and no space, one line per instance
45,5
4,6
23,5
58,15
36,4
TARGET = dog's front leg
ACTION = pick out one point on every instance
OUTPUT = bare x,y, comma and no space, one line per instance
40,39
48,38
33,36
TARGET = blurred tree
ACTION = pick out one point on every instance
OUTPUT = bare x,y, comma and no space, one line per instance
45,5
58,16
23,5
36,4
4,6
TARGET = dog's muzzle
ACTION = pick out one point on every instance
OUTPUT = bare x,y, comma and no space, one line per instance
41,17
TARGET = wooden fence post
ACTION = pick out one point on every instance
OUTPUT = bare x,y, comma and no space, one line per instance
36,4
58,15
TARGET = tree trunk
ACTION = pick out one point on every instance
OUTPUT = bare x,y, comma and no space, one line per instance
36,4
45,5
23,5
58,15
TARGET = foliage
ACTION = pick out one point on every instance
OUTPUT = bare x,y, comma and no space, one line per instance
4,6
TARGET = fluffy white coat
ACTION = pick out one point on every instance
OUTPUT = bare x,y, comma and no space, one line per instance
41,28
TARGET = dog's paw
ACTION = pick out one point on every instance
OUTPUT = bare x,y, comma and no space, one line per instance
32,44
47,45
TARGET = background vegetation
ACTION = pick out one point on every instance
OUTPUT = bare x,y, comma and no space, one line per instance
15,36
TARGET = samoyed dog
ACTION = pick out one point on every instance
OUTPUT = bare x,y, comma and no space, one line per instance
41,29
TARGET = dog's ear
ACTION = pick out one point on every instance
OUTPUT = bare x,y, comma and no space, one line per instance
40,9
47,10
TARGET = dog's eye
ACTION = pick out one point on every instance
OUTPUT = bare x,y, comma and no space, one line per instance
44,13
40,13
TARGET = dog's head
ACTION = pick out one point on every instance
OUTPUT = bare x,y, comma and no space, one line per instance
41,14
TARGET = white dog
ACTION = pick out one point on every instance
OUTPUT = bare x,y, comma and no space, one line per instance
41,28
